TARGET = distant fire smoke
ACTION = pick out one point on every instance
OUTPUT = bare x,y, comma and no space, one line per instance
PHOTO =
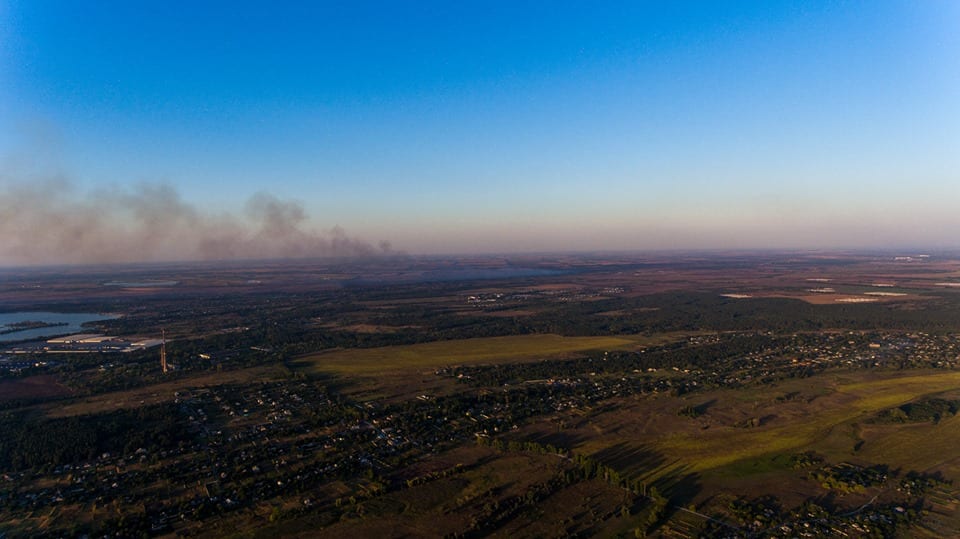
49,222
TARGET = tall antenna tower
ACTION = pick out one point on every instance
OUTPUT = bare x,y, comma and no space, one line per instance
163,351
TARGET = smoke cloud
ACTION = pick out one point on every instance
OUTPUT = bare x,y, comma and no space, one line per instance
49,222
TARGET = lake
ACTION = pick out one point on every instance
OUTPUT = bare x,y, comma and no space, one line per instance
67,323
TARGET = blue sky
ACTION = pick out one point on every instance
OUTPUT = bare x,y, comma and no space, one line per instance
506,126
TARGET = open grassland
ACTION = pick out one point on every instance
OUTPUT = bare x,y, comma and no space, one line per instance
878,393
716,447
921,446
395,373
725,446
745,440
368,361
831,416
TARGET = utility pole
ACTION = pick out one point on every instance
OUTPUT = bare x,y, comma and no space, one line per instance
163,351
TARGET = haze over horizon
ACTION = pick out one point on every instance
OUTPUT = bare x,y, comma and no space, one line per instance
169,130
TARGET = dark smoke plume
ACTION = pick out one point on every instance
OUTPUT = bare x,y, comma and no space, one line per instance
49,222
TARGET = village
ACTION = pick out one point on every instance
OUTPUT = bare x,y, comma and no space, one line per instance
236,446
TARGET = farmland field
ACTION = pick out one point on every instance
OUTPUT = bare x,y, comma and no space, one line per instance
467,351
831,416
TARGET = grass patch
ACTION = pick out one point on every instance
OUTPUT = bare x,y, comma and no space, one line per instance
764,464
643,438
915,446
875,395
725,447
461,352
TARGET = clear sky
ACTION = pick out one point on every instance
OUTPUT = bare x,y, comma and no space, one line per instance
457,126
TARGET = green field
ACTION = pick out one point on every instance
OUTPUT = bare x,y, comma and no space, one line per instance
832,418
711,459
468,351
854,401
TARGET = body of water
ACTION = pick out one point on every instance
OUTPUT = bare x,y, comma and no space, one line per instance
66,323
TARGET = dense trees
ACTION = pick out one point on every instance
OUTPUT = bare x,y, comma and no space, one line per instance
48,443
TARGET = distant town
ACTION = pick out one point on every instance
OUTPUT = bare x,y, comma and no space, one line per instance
83,343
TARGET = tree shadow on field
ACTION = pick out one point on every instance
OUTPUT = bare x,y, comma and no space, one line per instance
332,384
634,460
827,501
701,409
560,440
680,485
